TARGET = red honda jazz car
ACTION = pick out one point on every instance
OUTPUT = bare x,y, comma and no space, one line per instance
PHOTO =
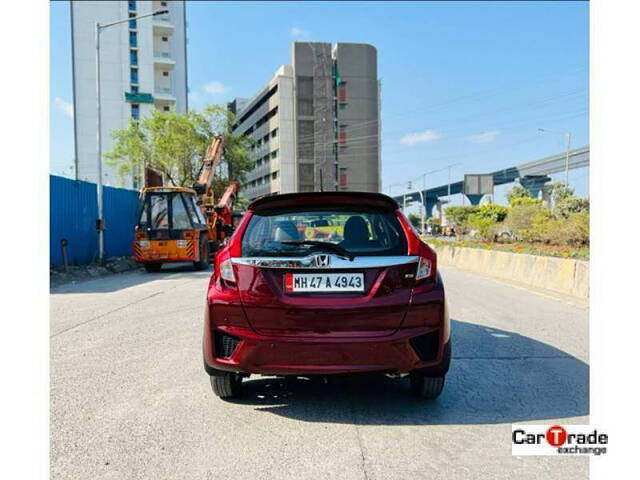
326,283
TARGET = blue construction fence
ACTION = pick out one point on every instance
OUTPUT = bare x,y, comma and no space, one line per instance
73,212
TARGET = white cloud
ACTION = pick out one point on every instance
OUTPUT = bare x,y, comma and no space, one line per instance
420,137
484,137
300,33
215,88
65,107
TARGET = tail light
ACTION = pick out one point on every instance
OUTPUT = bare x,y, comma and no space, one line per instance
188,235
226,271
141,235
223,264
224,267
424,268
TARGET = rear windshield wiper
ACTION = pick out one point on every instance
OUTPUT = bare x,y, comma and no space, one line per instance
329,246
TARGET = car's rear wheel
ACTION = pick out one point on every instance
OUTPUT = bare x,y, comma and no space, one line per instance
226,384
426,387
153,267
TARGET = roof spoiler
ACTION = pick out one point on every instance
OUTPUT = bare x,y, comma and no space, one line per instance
371,199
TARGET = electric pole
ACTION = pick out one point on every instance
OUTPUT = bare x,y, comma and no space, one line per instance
567,137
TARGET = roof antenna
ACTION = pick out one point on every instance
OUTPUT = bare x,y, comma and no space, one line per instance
321,182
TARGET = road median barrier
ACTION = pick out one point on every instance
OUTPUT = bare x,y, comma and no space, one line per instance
562,275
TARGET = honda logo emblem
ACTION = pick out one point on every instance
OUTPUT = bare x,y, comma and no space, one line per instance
322,261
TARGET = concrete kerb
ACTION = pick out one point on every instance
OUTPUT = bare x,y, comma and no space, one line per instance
565,276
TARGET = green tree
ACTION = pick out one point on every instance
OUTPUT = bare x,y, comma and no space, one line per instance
236,147
521,217
169,143
569,206
516,192
174,144
459,217
558,191
415,219
492,211
564,201
485,219
241,202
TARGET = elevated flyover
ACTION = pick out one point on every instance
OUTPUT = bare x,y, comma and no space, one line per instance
532,175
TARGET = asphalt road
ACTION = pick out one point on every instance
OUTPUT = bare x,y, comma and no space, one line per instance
130,399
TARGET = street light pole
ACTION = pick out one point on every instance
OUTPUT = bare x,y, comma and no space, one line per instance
422,209
422,206
99,190
100,220
566,162
567,136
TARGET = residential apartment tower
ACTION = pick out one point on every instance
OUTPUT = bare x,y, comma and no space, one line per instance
143,67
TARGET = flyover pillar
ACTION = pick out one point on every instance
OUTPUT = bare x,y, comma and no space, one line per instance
440,206
534,183
475,199
429,203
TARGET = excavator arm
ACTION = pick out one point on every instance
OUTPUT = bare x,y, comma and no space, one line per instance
224,207
211,161
219,214
226,201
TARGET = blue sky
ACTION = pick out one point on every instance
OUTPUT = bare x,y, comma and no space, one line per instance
463,83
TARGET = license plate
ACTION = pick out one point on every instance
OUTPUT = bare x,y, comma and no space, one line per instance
323,282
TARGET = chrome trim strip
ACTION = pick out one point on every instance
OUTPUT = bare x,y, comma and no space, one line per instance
336,262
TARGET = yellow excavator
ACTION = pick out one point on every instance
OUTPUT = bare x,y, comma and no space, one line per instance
179,224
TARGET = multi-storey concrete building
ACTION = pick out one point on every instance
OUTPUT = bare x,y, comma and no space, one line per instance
316,123
143,67
268,118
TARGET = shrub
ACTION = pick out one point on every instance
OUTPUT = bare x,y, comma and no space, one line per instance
486,218
540,227
574,230
485,227
558,192
415,219
459,217
545,228
492,211
516,202
517,192
521,217
568,206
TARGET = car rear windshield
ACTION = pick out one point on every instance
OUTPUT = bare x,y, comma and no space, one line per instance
360,232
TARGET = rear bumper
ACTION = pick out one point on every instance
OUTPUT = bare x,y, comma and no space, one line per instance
394,353
163,259
165,251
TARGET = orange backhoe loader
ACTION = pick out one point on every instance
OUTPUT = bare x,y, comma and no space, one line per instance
179,224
